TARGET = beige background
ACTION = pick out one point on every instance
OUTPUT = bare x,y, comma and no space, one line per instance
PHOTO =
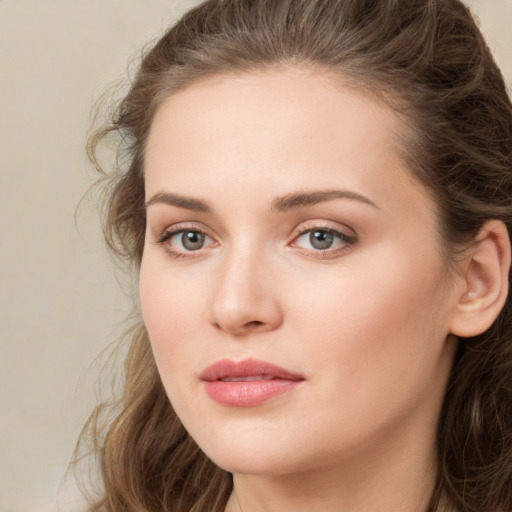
59,301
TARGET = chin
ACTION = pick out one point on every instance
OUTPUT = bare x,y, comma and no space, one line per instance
269,462
258,453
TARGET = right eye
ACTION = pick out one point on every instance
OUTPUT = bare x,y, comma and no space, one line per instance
181,242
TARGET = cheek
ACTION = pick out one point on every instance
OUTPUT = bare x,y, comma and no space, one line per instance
171,309
380,333
373,292
173,315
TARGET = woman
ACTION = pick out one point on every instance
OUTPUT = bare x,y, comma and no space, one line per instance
317,205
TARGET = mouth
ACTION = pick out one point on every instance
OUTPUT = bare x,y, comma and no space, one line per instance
247,383
249,378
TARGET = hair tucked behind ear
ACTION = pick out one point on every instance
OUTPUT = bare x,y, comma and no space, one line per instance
428,60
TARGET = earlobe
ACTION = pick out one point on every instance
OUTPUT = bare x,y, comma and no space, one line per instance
485,281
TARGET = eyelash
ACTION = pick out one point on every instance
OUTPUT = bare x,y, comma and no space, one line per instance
347,241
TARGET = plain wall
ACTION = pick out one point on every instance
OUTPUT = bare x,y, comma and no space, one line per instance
60,305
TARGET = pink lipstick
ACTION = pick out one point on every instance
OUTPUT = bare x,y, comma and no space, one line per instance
247,383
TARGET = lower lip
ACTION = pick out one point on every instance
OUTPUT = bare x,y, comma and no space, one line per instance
248,393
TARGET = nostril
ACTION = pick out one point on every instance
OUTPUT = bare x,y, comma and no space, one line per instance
254,323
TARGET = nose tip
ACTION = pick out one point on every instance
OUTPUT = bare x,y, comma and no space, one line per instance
246,318
245,303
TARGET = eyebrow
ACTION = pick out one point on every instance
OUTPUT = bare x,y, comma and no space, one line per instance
303,199
284,203
187,203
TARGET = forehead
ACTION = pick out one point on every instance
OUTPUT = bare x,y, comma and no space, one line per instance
308,99
276,130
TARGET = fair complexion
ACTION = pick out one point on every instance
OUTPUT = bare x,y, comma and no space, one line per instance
283,226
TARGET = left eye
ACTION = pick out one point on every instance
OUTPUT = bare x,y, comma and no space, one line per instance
322,239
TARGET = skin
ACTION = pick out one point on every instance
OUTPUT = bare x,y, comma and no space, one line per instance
366,322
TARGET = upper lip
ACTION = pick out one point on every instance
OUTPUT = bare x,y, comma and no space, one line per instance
227,368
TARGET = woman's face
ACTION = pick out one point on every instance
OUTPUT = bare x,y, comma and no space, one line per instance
292,281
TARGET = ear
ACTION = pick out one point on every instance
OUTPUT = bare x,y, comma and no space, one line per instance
485,281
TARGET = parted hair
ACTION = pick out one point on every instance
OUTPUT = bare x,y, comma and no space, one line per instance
428,60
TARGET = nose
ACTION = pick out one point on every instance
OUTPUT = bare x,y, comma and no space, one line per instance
246,297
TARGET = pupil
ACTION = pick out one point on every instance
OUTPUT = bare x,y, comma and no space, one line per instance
192,240
321,239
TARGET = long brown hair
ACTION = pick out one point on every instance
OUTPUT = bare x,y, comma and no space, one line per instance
429,61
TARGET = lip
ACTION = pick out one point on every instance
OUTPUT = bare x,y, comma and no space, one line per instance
247,383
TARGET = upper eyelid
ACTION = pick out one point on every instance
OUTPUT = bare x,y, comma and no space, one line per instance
186,226
321,228
326,225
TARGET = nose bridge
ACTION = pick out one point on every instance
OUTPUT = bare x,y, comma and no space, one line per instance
245,299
